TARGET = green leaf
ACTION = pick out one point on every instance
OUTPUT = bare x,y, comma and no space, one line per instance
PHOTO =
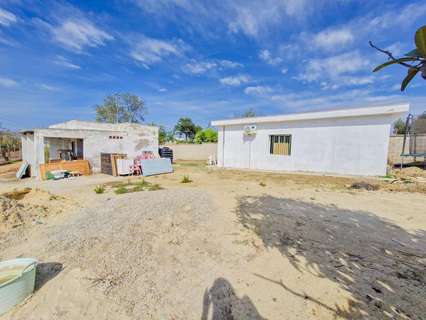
413,53
390,62
410,75
420,40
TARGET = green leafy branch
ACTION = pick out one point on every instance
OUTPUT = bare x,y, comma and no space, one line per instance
415,60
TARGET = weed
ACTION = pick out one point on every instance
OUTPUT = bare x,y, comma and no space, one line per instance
121,190
186,179
99,189
262,184
154,187
136,186
389,176
141,183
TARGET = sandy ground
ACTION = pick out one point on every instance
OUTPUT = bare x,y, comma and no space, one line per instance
228,245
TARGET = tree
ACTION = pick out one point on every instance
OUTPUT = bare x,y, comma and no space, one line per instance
187,127
170,137
121,107
200,137
399,126
162,136
415,60
249,113
210,135
9,141
206,135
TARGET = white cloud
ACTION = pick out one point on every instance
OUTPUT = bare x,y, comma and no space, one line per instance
266,56
163,90
235,81
48,87
64,62
333,39
7,82
343,81
284,70
257,90
7,18
197,68
254,18
150,51
334,66
398,18
201,67
307,100
230,64
76,34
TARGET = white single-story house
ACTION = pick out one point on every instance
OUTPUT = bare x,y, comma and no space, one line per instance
86,140
346,141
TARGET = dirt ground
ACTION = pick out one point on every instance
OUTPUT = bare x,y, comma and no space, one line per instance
228,245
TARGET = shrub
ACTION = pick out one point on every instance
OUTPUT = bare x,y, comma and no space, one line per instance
262,184
186,179
99,189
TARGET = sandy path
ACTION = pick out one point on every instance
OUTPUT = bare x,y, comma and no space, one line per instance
228,248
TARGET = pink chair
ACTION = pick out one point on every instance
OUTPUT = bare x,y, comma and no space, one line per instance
135,170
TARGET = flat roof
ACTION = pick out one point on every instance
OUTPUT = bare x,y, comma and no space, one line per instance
340,113
69,130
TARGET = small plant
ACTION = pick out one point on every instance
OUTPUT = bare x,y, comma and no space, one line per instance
99,189
154,187
121,190
262,184
141,183
186,179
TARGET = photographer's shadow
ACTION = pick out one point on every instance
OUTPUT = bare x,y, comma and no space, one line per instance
222,303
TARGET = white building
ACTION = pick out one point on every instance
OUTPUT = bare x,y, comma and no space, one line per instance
86,140
349,141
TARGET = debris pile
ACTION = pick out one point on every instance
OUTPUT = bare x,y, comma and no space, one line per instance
25,207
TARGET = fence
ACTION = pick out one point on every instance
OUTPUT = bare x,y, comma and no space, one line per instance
395,149
193,151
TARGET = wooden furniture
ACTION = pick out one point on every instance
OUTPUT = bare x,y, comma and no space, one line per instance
109,163
81,166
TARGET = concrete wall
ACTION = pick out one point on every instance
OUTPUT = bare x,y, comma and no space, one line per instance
356,146
132,140
193,151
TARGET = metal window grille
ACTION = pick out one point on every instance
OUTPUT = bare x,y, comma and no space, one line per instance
280,145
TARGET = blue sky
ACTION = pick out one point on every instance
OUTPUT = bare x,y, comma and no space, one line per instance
203,59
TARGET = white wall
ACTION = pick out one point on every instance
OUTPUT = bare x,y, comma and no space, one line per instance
135,139
355,146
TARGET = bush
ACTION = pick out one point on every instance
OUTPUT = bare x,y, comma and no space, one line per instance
186,179
99,189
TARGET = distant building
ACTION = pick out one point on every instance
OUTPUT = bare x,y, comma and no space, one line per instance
348,141
179,136
76,140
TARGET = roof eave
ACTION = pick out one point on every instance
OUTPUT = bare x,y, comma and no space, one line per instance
341,113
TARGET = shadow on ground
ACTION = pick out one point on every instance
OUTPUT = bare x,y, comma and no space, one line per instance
221,302
45,272
380,264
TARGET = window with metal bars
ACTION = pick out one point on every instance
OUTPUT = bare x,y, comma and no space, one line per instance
280,144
